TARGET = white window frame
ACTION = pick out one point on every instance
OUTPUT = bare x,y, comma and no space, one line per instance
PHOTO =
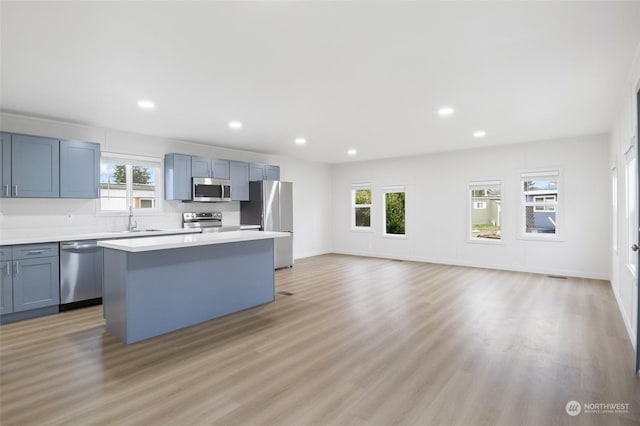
357,187
542,203
474,186
130,161
388,190
548,205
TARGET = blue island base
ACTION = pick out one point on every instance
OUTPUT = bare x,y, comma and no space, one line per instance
154,292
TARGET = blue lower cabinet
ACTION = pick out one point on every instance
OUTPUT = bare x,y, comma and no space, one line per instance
35,283
6,287
29,281
150,293
6,253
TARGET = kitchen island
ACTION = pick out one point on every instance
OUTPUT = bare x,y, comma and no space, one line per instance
156,285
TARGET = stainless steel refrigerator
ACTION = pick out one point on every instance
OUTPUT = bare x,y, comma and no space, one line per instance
270,205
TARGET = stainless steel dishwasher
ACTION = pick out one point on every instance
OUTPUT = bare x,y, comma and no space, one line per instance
80,274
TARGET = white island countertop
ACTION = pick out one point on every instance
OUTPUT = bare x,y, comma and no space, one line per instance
181,241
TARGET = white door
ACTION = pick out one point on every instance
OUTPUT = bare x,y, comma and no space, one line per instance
630,242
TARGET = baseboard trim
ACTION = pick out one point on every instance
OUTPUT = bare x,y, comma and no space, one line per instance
514,268
625,320
311,254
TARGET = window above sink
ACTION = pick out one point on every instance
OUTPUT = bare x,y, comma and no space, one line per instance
128,180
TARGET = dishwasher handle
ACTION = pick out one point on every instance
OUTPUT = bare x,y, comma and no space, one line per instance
79,246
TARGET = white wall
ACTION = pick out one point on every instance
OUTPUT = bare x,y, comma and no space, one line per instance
311,187
436,207
623,135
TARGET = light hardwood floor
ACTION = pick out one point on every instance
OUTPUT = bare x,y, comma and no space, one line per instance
361,341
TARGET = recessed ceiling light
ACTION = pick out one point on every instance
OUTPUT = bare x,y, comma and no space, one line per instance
235,125
352,152
479,134
145,104
445,111
301,141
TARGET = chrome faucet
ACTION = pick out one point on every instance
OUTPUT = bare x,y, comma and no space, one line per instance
131,226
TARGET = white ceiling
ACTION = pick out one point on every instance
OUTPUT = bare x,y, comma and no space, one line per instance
363,75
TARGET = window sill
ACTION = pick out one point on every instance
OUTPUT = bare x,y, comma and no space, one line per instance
363,230
541,237
486,241
395,236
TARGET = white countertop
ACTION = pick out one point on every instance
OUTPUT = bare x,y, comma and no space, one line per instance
30,236
181,241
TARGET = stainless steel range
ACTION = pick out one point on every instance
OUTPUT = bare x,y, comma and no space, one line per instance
206,221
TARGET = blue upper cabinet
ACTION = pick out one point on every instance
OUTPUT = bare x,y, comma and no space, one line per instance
239,173
35,166
177,177
272,172
5,165
79,169
200,167
180,168
256,172
220,169
206,168
259,171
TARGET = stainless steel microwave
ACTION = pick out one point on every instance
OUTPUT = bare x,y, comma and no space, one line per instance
211,190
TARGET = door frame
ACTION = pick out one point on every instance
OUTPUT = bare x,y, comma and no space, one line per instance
637,136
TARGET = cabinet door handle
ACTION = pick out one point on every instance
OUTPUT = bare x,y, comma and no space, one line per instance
15,190
17,264
6,191
36,251
8,269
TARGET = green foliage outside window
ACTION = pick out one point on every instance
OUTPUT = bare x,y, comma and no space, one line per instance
141,175
363,196
363,217
395,214
363,213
